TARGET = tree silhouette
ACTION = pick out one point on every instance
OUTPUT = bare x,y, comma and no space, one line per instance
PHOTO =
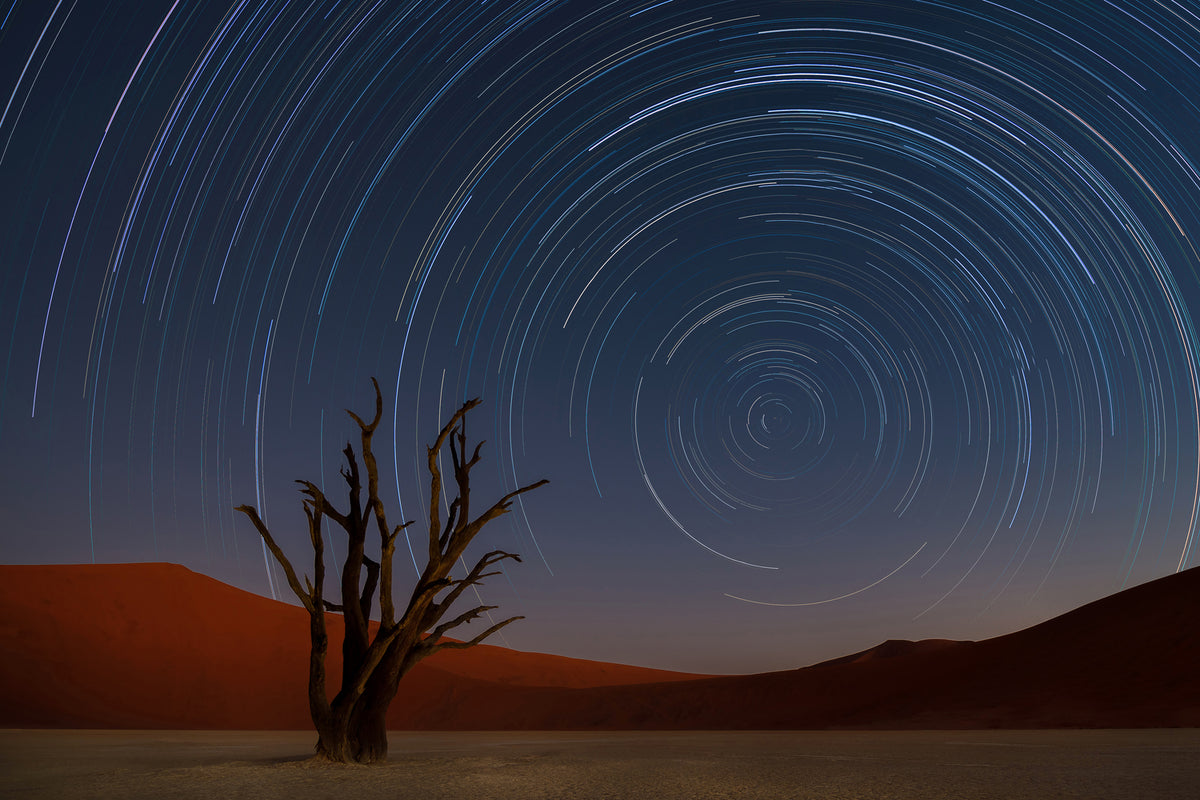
352,726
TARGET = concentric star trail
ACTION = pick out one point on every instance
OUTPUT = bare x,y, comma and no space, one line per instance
892,304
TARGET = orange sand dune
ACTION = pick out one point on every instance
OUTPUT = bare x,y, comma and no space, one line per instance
158,646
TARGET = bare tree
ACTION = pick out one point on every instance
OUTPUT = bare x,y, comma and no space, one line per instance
352,726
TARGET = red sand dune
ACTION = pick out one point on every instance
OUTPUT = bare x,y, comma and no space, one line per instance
158,646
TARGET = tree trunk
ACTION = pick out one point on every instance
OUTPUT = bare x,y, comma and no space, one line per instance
369,727
333,744
360,739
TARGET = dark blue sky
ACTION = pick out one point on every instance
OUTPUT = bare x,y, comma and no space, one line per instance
829,322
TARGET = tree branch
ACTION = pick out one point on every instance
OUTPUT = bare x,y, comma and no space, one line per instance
387,608
378,411
505,502
451,521
462,619
293,581
433,648
317,497
475,456
465,533
374,505
368,591
357,633
457,587
435,483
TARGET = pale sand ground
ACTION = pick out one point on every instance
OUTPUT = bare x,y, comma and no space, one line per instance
1160,764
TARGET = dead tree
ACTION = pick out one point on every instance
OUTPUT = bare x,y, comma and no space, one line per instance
352,726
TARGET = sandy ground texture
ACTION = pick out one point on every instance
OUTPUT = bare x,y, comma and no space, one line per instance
1125,764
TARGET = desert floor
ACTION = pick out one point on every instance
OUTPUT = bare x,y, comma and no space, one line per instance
1122,764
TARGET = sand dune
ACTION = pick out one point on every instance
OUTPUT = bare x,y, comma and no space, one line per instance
158,646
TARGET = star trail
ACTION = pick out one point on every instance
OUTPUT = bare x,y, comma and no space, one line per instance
830,322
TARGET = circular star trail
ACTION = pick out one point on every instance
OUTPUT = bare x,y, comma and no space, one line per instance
830,322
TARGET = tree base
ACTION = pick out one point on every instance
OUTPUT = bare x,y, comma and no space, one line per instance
363,749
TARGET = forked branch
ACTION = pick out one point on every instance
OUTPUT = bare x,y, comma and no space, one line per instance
432,645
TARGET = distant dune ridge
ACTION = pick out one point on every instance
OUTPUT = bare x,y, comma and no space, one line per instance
159,646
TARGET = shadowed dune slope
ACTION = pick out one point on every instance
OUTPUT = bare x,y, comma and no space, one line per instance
1130,660
158,646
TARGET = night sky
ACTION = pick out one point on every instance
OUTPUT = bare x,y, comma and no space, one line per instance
829,322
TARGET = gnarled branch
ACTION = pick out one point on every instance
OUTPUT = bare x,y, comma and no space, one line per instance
293,581
435,646
317,498
457,587
466,533
435,483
